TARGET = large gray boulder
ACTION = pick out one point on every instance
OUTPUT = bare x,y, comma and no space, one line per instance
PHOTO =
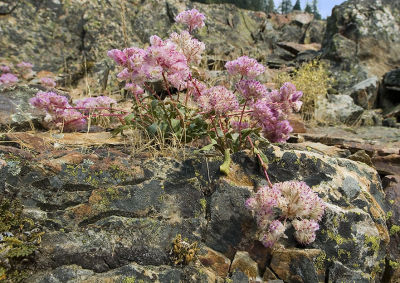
109,216
365,33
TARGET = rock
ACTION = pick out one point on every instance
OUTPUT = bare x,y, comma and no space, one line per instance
362,156
87,30
216,261
292,265
109,216
389,93
392,195
269,276
245,264
354,35
296,48
297,124
371,117
365,93
340,273
387,165
379,141
337,109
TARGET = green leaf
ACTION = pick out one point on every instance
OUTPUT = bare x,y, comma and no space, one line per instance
207,147
176,124
153,128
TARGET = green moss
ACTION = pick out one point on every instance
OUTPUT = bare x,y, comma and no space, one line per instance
320,261
337,238
131,279
203,203
394,230
20,239
391,201
394,264
374,241
342,252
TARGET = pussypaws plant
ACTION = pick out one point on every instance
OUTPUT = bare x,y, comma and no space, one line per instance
60,114
229,117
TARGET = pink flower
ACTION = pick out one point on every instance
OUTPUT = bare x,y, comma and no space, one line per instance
293,200
25,66
94,102
189,46
5,69
134,88
192,18
49,101
218,99
245,66
305,230
275,231
49,82
118,56
251,89
8,79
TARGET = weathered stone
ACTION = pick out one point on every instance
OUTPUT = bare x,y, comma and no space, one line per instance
362,156
338,109
269,275
388,165
245,264
292,265
389,93
216,261
392,195
357,36
365,93
340,273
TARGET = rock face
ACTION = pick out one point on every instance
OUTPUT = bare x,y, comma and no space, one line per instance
338,108
72,37
389,93
109,216
364,33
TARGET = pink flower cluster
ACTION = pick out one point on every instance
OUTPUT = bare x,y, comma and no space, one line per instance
48,82
61,114
296,202
5,69
218,99
245,66
8,79
192,18
271,109
25,67
161,60
91,104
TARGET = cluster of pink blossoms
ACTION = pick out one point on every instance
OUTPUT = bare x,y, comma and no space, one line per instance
48,82
164,60
192,18
61,114
296,202
7,78
268,109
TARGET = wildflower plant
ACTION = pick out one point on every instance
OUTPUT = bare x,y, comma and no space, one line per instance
192,108
60,114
